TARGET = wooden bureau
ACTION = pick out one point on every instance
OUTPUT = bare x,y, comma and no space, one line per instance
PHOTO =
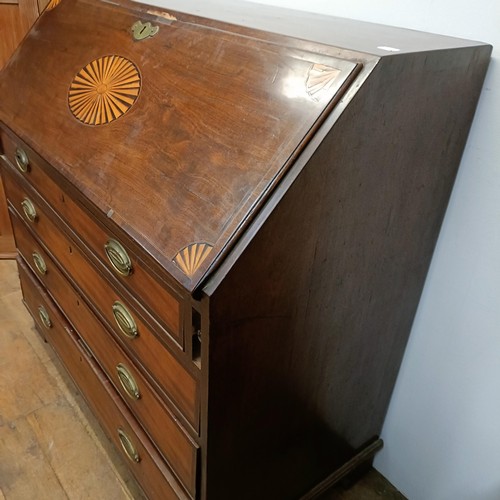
223,227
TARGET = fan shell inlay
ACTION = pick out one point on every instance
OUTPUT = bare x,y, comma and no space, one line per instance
190,258
104,90
52,4
320,79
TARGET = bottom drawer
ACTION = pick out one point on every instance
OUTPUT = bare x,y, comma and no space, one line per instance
144,461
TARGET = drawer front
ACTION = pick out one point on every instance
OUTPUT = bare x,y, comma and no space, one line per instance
177,448
26,163
163,304
124,431
175,382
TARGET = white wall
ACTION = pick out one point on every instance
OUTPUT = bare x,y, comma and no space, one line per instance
442,431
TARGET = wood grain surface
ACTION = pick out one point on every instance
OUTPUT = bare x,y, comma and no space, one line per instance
312,318
37,446
218,119
279,201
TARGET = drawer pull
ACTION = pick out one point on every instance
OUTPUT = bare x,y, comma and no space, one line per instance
44,317
40,265
128,446
29,210
124,320
127,381
118,257
22,160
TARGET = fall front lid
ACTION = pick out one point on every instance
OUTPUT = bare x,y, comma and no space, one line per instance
178,128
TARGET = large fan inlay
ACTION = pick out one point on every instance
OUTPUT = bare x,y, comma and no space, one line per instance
104,90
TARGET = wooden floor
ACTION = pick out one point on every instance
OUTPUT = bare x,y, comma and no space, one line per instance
51,447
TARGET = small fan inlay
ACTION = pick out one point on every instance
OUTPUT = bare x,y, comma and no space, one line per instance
52,4
190,258
320,79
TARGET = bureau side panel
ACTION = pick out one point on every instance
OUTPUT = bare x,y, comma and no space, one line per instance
308,327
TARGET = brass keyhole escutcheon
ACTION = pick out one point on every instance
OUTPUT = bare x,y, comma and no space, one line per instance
142,30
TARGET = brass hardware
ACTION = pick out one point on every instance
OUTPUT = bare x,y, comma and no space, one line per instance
22,160
40,265
29,210
118,257
128,446
127,381
142,30
44,317
124,320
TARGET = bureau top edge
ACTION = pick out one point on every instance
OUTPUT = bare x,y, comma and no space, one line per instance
359,36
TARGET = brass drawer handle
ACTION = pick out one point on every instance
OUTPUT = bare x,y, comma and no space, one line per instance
40,265
127,381
22,160
124,320
128,446
29,210
44,317
118,257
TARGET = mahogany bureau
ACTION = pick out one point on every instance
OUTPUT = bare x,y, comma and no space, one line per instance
224,225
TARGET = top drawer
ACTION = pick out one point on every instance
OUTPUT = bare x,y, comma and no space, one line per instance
111,251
